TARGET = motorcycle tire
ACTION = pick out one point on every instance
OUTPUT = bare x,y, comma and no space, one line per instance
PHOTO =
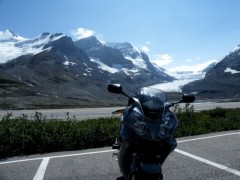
144,176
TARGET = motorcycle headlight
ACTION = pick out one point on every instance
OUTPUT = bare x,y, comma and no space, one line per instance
140,128
165,127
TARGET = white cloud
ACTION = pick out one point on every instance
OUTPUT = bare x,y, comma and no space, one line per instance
145,49
188,60
191,60
82,33
194,68
162,60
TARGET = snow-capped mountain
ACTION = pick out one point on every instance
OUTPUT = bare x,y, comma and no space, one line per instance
184,75
122,58
13,45
222,80
137,57
10,36
54,68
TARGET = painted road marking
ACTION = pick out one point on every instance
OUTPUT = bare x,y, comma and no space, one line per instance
22,160
41,170
225,168
51,157
43,166
222,167
99,152
208,137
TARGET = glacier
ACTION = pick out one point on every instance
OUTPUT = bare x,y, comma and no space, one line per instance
13,45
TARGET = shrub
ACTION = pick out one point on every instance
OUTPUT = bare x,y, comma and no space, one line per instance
218,112
21,136
219,119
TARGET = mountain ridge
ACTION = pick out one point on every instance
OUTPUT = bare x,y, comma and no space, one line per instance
222,80
52,70
56,72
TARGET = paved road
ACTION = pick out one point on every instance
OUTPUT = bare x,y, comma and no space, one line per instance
208,157
87,113
78,113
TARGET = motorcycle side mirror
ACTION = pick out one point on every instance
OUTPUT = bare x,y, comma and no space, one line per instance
115,88
188,98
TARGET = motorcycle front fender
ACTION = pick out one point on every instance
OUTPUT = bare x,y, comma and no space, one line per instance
151,168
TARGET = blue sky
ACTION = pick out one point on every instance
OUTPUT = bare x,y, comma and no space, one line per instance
174,32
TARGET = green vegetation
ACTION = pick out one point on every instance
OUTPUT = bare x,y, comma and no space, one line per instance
215,120
22,136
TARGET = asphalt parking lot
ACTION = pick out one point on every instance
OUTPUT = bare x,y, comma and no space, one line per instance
209,156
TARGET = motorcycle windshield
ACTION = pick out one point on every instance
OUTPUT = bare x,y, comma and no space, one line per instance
152,102
148,117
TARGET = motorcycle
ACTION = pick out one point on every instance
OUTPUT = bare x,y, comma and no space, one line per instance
146,132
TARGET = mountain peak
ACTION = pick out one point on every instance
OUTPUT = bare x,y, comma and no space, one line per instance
91,39
236,48
18,46
8,35
126,47
88,43
43,35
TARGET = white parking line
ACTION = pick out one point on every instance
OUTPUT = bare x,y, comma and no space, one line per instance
208,137
81,154
41,170
22,160
43,166
67,155
222,167
225,168
98,152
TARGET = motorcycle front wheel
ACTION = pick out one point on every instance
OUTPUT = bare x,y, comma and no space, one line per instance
144,176
139,175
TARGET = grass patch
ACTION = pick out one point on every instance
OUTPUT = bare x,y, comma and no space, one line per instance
22,136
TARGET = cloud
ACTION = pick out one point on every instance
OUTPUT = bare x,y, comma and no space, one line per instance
191,60
82,33
162,60
194,68
145,49
188,60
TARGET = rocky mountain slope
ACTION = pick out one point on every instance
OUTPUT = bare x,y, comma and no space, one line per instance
123,58
222,80
53,71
